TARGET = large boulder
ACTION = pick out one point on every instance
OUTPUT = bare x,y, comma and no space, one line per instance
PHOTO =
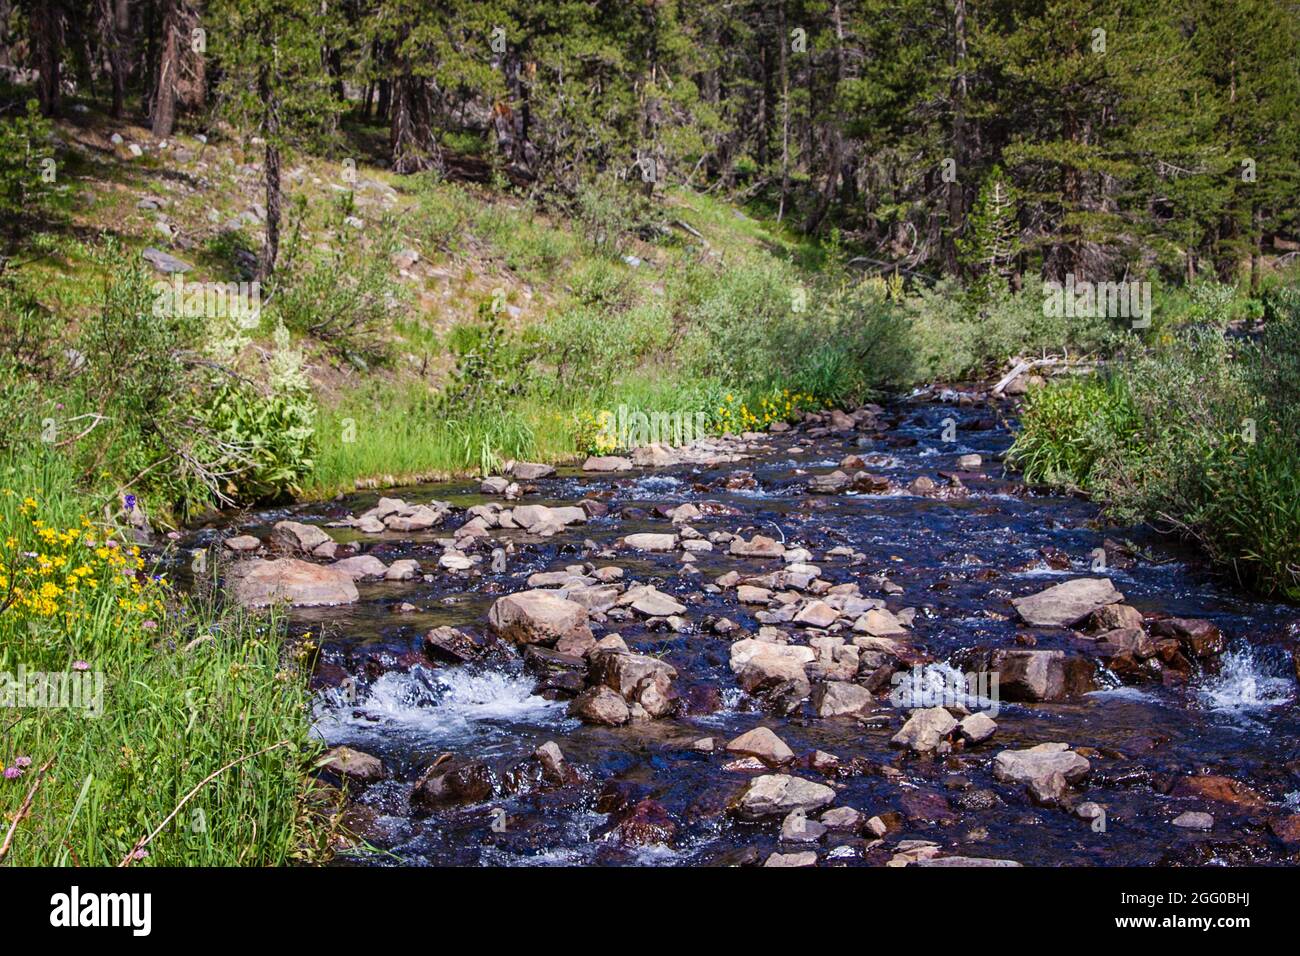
259,583
538,617
778,794
1047,769
1064,604
1031,674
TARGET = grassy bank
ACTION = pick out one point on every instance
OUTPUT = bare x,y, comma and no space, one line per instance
1196,436
137,723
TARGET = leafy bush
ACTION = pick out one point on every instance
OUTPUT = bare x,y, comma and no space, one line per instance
1068,426
1197,438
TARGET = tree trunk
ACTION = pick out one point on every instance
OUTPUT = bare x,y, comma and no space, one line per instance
47,48
784,39
410,136
956,195
835,143
271,171
109,15
163,115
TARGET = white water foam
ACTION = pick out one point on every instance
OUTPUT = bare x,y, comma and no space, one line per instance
1243,686
448,705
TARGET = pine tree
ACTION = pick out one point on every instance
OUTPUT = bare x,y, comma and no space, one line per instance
992,240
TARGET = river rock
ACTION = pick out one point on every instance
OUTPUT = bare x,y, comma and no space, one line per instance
879,622
600,705
529,471
418,518
648,541
450,644
977,728
779,794
1114,617
842,818
806,858
762,743
1046,769
757,547
259,583
242,543
926,730
770,673
837,698
1063,604
538,617
1219,789
797,828
981,861
817,614
353,764
405,569
298,538
453,782
606,463
1194,820
362,566
651,602
627,673
1201,639
646,823
1030,674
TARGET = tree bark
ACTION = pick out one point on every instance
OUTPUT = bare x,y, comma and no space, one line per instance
271,170
47,47
163,115
835,143
956,194
108,13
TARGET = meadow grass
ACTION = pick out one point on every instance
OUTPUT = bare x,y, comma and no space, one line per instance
199,707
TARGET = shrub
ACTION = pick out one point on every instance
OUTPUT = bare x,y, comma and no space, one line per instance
343,296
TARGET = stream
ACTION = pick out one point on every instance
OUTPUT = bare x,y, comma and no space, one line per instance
645,794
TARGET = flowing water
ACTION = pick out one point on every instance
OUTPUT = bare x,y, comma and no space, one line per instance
958,561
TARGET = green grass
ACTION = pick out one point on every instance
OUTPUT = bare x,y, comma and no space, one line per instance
1196,437
188,689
